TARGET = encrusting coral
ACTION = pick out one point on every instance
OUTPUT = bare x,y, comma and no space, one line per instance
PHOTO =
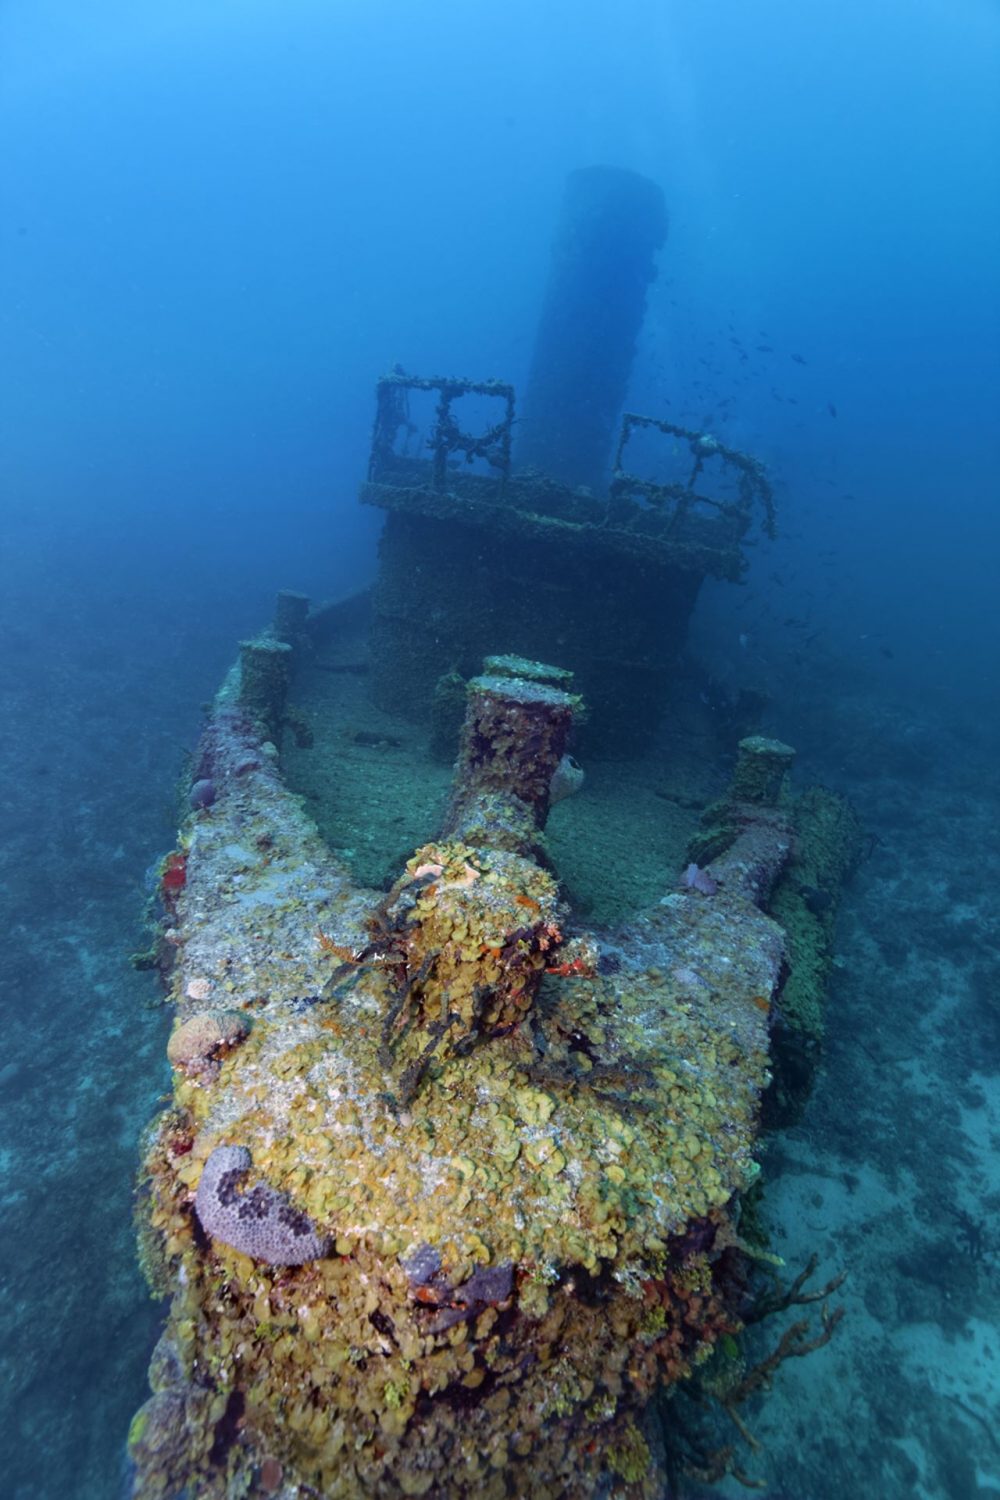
198,1044
510,1151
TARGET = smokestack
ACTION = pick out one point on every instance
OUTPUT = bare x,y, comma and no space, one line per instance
613,222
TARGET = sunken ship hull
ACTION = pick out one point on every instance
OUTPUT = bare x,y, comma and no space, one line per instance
447,1196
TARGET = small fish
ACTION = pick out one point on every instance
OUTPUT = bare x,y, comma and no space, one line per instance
798,359
763,349
831,408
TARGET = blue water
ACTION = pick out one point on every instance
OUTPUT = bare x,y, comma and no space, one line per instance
220,223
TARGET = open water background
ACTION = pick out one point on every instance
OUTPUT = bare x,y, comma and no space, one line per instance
219,224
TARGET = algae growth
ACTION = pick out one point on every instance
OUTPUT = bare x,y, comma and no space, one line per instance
447,1187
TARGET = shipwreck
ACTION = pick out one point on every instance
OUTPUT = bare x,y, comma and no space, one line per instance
447,1199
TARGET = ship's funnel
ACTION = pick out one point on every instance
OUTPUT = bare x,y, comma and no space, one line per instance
612,224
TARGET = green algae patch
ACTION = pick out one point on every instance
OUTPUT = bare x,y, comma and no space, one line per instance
137,1428
630,1458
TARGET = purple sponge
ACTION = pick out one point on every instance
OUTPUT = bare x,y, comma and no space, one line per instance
202,794
261,1223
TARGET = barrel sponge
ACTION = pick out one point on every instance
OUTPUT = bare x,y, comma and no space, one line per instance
261,1223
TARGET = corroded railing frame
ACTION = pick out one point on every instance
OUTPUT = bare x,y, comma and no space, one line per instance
754,485
446,438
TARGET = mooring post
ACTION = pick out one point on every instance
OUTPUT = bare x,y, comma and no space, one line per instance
762,765
290,613
264,673
513,740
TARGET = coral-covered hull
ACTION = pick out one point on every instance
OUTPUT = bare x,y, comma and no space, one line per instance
511,1155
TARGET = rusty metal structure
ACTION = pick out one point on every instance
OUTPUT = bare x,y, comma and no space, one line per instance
666,509
568,532
476,551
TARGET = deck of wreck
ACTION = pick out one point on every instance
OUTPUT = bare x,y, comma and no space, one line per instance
449,1186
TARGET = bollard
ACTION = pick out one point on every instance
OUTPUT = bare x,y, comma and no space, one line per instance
513,740
264,673
761,768
291,611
